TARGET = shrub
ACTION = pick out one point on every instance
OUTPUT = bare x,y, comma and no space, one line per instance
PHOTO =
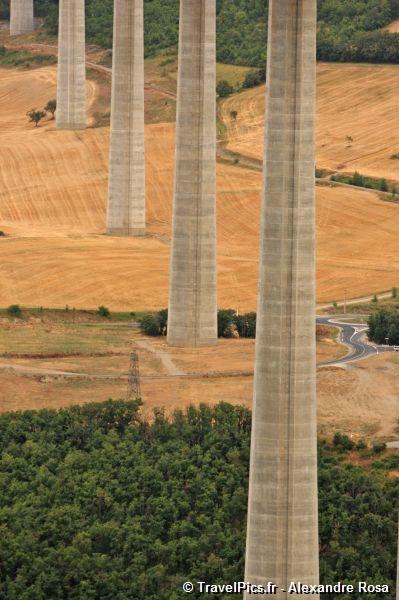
149,325
342,442
51,107
155,324
254,78
35,116
2,234
378,447
163,321
226,323
224,89
103,311
246,325
14,310
167,61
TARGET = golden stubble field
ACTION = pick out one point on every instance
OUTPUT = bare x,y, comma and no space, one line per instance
53,196
53,188
357,116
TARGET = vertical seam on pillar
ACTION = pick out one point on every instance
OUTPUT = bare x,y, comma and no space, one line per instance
71,58
293,274
199,157
130,17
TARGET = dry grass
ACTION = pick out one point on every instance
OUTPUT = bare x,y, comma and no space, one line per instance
52,205
346,398
393,27
354,101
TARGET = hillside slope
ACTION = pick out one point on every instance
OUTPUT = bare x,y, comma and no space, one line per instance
52,204
357,119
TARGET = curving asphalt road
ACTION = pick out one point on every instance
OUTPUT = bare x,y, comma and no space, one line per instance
353,335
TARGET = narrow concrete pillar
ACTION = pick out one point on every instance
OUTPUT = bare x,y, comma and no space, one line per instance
126,196
397,572
71,86
21,17
282,534
192,318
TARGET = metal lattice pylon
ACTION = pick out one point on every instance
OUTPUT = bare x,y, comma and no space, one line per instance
133,390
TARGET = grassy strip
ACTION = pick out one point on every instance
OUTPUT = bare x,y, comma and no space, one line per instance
363,181
24,58
69,314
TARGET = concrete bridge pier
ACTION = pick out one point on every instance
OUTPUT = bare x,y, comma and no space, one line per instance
71,84
192,300
282,533
21,17
126,196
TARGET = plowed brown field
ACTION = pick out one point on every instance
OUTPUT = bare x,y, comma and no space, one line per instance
53,187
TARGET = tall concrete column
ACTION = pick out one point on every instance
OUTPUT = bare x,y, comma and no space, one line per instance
21,17
282,534
71,86
192,318
126,197
397,572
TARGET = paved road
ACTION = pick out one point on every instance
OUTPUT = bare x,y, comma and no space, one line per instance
353,335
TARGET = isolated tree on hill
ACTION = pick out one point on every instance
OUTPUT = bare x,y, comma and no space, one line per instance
51,107
35,116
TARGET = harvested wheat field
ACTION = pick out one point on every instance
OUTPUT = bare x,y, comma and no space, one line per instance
357,119
52,207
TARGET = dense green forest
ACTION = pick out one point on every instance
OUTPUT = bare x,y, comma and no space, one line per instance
384,326
97,503
348,31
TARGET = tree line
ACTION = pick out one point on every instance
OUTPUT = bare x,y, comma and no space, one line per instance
96,502
348,31
384,327
229,323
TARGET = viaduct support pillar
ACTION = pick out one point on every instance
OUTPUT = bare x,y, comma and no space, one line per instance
71,85
126,197
192,318
397,572
21,17
282,534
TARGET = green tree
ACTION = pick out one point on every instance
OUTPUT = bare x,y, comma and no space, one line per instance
103,311
51,107
225,322
224,89
35,116
14,310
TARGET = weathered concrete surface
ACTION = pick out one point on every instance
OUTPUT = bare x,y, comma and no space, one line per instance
192,302
282,535
21,17
397,573
71,85
126,198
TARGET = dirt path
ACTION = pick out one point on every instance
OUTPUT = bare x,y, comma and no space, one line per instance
40,48
354,301
166,360
25,370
